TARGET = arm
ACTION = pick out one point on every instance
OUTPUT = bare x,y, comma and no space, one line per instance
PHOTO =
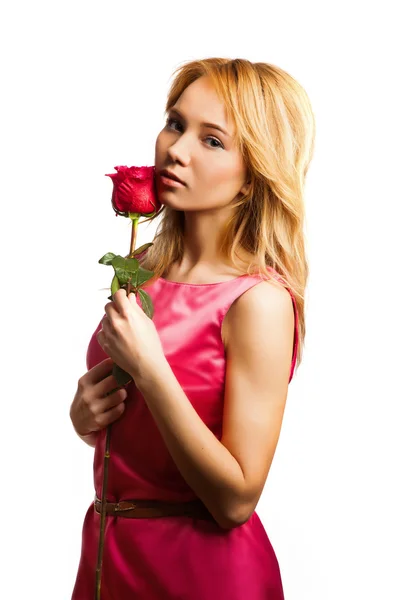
228,475
206,465
259,340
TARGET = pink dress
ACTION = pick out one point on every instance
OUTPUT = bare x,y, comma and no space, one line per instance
175,558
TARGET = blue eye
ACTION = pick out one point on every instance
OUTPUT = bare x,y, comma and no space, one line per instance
170,120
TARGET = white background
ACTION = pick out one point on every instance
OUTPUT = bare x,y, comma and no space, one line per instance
83,89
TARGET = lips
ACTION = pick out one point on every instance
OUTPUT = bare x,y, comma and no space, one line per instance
171,175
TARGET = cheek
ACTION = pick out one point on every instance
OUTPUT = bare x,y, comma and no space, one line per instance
224,176
159,145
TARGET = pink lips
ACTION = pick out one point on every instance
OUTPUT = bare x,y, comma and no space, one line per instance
170,182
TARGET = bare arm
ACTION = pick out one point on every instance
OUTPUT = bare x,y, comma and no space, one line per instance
207,466
229,475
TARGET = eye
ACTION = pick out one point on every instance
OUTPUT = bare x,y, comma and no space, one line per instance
170,121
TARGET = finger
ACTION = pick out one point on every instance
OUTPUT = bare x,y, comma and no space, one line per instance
105,326
111,311
110,415
101,404
100,338
133,299
107,385
121,301
113,399
101,371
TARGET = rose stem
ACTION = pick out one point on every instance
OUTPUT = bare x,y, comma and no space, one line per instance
133,242
103,512
107,457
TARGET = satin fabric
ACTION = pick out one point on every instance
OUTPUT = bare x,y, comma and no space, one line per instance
171,558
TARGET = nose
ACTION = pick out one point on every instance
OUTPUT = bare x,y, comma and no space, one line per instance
178,152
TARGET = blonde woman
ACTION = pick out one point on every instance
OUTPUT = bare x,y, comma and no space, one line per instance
195,433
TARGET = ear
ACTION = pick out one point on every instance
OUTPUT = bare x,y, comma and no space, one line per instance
245,188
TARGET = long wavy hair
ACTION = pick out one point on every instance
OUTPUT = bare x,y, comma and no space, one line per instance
275,132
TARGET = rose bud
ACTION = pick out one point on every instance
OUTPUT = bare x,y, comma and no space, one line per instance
134,191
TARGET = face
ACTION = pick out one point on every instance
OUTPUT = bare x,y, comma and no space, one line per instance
203,157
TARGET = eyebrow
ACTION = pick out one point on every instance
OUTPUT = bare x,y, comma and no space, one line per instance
213,125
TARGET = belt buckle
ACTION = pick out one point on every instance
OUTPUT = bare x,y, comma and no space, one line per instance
124,505
119,506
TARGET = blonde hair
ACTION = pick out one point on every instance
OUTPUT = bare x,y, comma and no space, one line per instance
275,131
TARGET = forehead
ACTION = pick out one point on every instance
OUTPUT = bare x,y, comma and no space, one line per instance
200,102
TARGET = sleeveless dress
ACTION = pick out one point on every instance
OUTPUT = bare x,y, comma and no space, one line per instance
175,557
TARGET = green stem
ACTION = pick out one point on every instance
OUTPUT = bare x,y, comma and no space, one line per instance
135,221
106,461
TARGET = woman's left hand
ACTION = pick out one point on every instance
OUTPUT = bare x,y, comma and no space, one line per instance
129,336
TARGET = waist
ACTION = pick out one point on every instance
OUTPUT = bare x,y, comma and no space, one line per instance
141,509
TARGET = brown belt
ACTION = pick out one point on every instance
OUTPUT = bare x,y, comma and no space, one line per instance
139,509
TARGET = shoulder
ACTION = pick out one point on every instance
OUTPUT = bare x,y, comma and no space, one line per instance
266,306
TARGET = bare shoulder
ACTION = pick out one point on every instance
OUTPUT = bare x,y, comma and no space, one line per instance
267,303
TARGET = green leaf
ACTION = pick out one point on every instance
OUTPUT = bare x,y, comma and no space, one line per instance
138,274
107,258
123,276
131,264
143,275
147,303
141,249
118,261
125,268
115,286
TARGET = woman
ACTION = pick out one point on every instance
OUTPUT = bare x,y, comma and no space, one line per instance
195,433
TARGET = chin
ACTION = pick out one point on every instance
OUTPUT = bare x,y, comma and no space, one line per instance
163,194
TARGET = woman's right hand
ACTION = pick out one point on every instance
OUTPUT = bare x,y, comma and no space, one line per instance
91,409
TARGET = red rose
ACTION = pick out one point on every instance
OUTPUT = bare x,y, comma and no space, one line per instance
134,190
